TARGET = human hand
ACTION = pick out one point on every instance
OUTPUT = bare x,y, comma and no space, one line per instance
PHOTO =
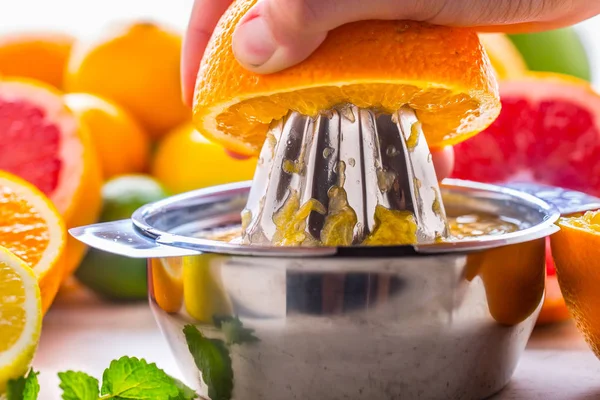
277,34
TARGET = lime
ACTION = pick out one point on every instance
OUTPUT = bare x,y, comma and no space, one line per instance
560,50
109,275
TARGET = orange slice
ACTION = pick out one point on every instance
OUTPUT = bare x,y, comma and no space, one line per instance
443,73
576,252
44,143
32,229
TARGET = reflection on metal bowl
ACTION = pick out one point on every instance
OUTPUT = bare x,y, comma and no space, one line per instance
433,321
372,324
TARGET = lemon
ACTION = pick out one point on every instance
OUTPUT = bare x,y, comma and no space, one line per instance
185,160
20,317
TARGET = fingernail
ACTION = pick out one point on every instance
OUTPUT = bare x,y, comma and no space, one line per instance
253,42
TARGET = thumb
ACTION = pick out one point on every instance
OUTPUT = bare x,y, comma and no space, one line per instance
270,37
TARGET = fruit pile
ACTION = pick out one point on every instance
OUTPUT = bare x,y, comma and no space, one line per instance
98,126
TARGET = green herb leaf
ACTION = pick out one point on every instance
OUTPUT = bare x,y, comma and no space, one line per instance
185,393
131,378
78,386
212,359
23,388
234,330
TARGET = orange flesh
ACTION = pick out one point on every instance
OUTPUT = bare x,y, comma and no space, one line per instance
437,109
589,222
12,298
23,231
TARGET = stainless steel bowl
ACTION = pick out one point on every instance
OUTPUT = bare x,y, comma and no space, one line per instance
444,321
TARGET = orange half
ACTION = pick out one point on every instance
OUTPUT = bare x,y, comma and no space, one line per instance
443,73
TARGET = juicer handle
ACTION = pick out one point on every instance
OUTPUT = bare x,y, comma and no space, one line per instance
122,238
565,200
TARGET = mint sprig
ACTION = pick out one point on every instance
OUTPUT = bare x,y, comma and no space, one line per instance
234,330
23,388
127,378
131,378
211,356
78,386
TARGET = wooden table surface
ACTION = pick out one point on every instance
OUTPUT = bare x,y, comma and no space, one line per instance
83,333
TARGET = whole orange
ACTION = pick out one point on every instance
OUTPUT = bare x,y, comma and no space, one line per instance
38,55
136,65
121,143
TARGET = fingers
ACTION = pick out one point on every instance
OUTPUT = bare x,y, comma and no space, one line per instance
276,34
443,161
204,18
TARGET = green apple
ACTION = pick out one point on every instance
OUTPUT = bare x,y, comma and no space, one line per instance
559,50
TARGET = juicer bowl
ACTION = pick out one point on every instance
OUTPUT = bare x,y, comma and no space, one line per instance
448,321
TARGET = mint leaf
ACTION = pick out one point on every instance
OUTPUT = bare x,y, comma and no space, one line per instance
78,386
23,388
211,356
185,393
131,378
234,330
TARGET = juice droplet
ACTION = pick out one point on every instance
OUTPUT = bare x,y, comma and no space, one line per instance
246,218
348,113
436,207
391,151
293,167
415,134
385,179
417,188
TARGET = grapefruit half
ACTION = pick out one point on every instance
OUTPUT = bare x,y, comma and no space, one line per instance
548,132
43,142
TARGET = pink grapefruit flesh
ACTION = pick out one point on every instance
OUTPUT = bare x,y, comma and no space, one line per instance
39,140
548,132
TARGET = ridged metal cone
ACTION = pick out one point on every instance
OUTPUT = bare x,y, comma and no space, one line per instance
348,177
